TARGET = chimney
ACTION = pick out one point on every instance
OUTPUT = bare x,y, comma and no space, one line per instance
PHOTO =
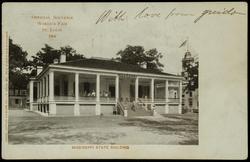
39,69
63,57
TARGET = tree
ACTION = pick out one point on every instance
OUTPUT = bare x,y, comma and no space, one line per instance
48,54
17,57
132,55
152,59
136,55
190,67
71,54
18,80
191,76
17,64
45,56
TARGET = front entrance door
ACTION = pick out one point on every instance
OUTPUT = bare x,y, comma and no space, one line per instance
112,91
127,91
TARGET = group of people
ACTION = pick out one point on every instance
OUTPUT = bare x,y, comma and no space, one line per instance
93,93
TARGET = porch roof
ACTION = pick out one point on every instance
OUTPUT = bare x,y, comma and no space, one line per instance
110,65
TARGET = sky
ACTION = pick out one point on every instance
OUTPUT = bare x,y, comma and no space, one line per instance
107,38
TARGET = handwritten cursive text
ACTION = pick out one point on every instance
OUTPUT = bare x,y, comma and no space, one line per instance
145,14
174,13
110,16
231,11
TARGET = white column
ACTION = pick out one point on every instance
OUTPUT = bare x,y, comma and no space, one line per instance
180,95
125,113
98,106
76,107
166,97
44,83
98,87
43,87
48,86
52,105
31,94
152,94
21,103
38,91
43,90
152,90
117,88
51,86
136,88
76,86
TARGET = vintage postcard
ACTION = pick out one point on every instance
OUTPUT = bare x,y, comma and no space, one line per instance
124,80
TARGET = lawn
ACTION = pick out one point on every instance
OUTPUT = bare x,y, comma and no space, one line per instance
31,128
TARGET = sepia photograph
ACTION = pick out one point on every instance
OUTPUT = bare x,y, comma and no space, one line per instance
114,76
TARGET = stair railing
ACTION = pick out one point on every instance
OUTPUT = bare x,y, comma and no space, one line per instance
122,109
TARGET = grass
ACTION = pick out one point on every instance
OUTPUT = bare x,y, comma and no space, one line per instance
30,128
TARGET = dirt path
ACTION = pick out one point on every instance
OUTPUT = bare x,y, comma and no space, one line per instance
31,128
21,113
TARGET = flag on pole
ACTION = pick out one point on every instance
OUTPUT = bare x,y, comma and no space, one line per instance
183,44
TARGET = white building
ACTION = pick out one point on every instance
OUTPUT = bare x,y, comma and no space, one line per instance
97,86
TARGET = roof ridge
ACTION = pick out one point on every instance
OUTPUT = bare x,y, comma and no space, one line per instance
109,64
72,61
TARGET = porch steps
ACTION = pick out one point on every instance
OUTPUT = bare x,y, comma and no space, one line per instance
138,111
133,111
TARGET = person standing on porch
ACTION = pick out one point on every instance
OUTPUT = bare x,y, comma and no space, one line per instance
93,93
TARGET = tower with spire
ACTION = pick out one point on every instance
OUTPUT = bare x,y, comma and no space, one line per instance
190,97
